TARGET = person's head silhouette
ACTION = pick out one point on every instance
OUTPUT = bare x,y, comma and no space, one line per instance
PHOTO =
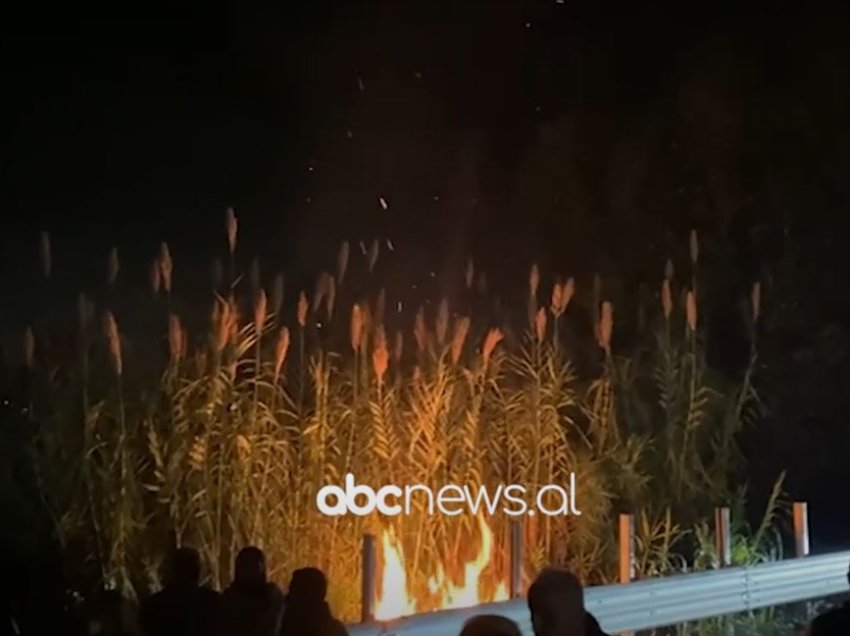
183,568
490,625
308,585
250,570
556,602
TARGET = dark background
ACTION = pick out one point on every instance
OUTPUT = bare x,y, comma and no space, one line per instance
587,136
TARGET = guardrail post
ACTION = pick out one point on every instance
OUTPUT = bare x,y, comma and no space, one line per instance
516,559
723,536
627,548
801,528
370,569
627,552
723,546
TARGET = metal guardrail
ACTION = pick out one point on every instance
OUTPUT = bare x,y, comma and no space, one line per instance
659,602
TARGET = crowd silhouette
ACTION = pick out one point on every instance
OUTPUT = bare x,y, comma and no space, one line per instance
183,606
490,625
307,611
556,604
254,606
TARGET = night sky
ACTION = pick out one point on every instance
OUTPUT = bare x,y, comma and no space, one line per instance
133,126
580,134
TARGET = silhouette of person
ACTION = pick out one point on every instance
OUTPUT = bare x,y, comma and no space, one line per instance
834,622
490,625
556,603
307,612
252,605
183,606
110,614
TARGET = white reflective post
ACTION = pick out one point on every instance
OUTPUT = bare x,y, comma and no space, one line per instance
723,536
801,528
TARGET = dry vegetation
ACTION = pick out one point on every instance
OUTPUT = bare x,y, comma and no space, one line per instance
228,442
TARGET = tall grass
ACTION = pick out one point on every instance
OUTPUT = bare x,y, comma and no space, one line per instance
227,442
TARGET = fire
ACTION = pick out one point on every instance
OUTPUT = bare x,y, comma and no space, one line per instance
394,599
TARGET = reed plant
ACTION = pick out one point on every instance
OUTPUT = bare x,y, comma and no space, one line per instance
229,440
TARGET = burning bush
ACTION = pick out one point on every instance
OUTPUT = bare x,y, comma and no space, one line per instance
227,439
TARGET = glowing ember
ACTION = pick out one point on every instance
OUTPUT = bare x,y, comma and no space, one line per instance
394,599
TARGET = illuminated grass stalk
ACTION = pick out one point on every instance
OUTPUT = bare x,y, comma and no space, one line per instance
235,449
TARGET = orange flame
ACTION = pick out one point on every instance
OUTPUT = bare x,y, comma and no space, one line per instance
394,597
